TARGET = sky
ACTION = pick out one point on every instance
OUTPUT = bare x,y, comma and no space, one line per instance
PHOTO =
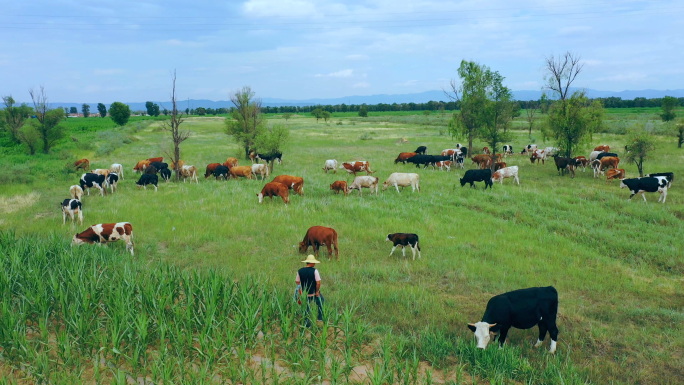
124,50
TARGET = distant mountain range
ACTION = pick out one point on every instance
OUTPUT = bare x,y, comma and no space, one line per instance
421,97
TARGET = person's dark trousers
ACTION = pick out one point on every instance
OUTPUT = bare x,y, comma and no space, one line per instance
319,303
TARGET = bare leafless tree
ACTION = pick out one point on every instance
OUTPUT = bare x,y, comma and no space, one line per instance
530,112
561,71
40,103
173,126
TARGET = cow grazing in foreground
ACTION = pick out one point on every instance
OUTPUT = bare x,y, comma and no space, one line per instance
89,180
189,172
221,171
338,186
603,147
668,175
506,172
354,167
400,179
507,150
563,164
83,164
294,183
260,169
72,208
211,167
499,165
581,161
644,185
360,182
331,164
106,233
421,150
112,181
521,309
231,162
402,240
146,179
404,156
615,174
76,192
605,154
165,174
609,161
317,236
276,189
118,169
472,176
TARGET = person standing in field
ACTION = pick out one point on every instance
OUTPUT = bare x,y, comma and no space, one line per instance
310,281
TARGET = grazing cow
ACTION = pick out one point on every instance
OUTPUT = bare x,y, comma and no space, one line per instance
499,165
331,164
421,150
606,154
76,192
506,172
581,161
354,167
563,164
157,159
530,148
538,155
360,182
141,165
241,171
159,165
604,147
402,240
165,174
82,164
404,156
481,160
438,158
252,156
472,176
260,169
444,164
118,169
221,171
267,157
404,180
668,175
112,181
644,185
319,235
146,179
181,163
507,149
150,170
90,180
521,309
615,174
101,171
231,162
294,183
106,233
594,155
459,161
189,172
72,208
338,186
211,167
420,159
486,151
276,189
609,161
596,166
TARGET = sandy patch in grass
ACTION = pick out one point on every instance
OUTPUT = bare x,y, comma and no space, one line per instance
18,202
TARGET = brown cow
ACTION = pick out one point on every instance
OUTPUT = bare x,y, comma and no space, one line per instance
615,174
158,159
605,148
317,236
354,167
231,162
294,183
338,186
105,233
485,150
211,167
482,160
181,163
82,164
272,189
244,171
499,165
403,156
610,161
141,165
252,156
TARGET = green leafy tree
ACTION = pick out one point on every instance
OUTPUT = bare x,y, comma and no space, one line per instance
641,145
12,118
363,111
85,108
247,120
152,108
120,113
326,116
73,110
498,111
668,106
30,137
470,93
679,131
317,113
201,111
427,113
165,111
102,109
47,120
287,116
272,140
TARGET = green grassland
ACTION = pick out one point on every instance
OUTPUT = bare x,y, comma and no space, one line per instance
617,265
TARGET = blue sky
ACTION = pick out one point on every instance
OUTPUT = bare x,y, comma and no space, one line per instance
103,51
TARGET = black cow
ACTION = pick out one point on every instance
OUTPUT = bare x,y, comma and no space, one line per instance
563,164
269,157
151,170
464,151
605,154
421,150
521,309
668,175
403,240
146,179
427,160
472,176
73,208
644,185
222,171
112,181
165,174
159,165
90,180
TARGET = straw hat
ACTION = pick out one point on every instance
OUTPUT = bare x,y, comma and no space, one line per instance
311,259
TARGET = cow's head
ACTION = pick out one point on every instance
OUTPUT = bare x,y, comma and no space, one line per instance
384,186
482,333
462,182
261,197
388,238
302,247
496,176
77,241
622,184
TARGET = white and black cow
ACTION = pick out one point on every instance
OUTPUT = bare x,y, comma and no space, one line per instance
165,174
146,179
72,208
507,149
90,180
668,175
644,185
472,176
402,240
112,181
459,161
521,309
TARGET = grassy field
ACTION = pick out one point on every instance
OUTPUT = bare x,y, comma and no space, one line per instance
617,265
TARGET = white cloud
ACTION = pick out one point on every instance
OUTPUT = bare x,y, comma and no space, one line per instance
339,74
361,85
356,57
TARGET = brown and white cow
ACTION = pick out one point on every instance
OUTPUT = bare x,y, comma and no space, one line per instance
317,236
403,156
499,165
506,172
452,152
189,172
272,189
538,155
241,171
106,233
260,169
354,167
360,182
581,162
252,156
615,174
211,167
486,151
603,147
231,162
446,164
141,166
82,164
338,186
294,183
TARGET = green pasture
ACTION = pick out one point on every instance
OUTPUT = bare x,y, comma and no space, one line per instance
617,265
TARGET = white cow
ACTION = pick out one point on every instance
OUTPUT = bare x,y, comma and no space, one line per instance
76,192
330,164
189,172
529,148
402,179
118,169
366,181
594,154
260,169
506,172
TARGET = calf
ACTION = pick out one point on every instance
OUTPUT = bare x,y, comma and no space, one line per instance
507,149
615,174
294,183
354,167
403,240
146,179
72,208
521,309
211,167
668,175
260,169
421,150
272,189
112,181
582,162
499,165
165,174
459,161
221,171
563,164
319,235
360,182
506,172
439,158
82,164
404,156
402,179
76,192
338,186
644,185
106,233
444,164
189,172
118,169
241,171
472,176
331,164
89,181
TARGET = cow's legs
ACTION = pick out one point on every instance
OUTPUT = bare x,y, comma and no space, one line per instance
542,332
63,217
643,195
80,216
502,337
396,186
329,245
413,250
155,188
393,248
418,248
403,250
